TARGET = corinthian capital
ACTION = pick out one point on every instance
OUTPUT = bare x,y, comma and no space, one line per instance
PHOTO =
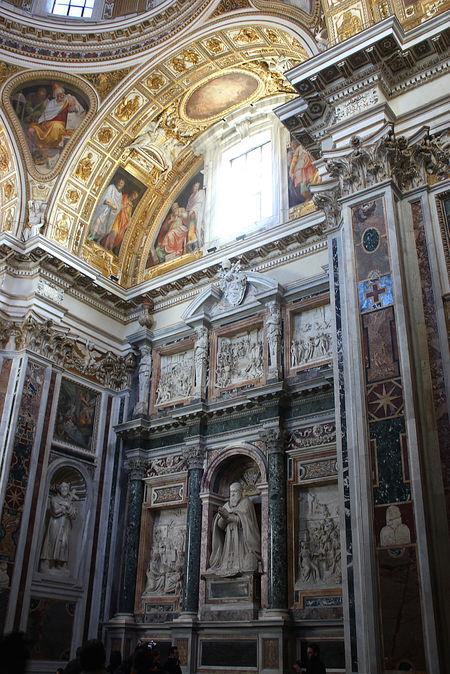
194,456
136,468
272,437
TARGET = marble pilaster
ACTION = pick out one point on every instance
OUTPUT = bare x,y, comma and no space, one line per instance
131,549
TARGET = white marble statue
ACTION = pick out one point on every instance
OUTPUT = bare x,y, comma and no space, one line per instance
239,359
161,150
61,513
236,539
176,378
273,333
145,373
201,359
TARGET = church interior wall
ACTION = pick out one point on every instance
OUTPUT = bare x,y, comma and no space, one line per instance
293,372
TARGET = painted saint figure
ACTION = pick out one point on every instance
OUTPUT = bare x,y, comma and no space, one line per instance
106,211
61,512
236,539
113,239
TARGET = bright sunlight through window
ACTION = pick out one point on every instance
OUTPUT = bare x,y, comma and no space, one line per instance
76,8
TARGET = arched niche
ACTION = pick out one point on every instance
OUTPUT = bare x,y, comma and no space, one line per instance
239,462
66,514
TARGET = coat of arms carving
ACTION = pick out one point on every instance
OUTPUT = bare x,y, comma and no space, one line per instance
232,282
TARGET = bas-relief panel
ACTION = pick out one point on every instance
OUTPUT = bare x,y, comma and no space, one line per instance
76,415
239,359
311,337
49,112
112,215
319,550
182,229
176,378
50,625
301,174
165,570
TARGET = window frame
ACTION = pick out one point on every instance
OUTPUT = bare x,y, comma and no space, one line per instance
73,4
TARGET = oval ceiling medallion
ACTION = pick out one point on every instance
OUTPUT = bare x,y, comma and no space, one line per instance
220,95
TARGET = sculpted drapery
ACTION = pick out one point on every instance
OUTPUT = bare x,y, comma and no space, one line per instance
236,539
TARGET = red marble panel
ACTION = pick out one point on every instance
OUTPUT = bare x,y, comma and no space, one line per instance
380,345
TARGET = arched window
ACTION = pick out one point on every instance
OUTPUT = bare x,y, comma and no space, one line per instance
74,8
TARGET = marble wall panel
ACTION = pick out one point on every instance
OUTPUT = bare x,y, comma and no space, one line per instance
5,370
434,348
50,625
398,577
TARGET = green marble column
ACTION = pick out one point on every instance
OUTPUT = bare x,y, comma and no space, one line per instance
277,538
136,468
194,459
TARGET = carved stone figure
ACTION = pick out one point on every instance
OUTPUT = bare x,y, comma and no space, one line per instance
36,211
232,282
319,550
273,333
165,465
311,341
160,149
61,512
145,373
236,539
395,532
239,359
175,382
166,567
201,359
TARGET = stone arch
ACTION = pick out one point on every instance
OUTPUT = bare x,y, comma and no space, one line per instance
224,458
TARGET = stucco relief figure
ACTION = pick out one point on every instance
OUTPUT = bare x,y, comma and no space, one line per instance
236,539
176,378
239,359
311,340
61,513
395,532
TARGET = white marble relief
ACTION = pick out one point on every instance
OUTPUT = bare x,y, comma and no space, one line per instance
395,532
311,336
166,567
319,550
145,374
176,381
239,358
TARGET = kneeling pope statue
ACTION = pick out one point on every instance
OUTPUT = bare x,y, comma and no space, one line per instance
236,540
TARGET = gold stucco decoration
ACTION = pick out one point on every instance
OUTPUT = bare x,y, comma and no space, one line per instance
104,83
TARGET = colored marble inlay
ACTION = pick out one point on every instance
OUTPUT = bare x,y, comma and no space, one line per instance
385,400
380,346
5,371
375,293
370,238
20,460
434,348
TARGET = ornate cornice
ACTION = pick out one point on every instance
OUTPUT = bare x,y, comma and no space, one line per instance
67,351
312,436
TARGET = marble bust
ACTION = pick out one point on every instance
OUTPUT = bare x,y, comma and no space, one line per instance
236,539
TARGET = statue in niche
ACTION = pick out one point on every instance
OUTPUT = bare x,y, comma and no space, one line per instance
201,358
273,331
236,539
166,567
145,373
61,513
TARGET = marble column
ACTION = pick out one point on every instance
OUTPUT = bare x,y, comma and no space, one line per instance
136,468
277,553
194,456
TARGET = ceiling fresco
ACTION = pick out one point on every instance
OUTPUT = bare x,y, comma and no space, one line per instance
148,133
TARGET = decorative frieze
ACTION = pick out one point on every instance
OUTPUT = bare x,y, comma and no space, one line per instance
50,291
356,105
313,436
166,465
64,350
